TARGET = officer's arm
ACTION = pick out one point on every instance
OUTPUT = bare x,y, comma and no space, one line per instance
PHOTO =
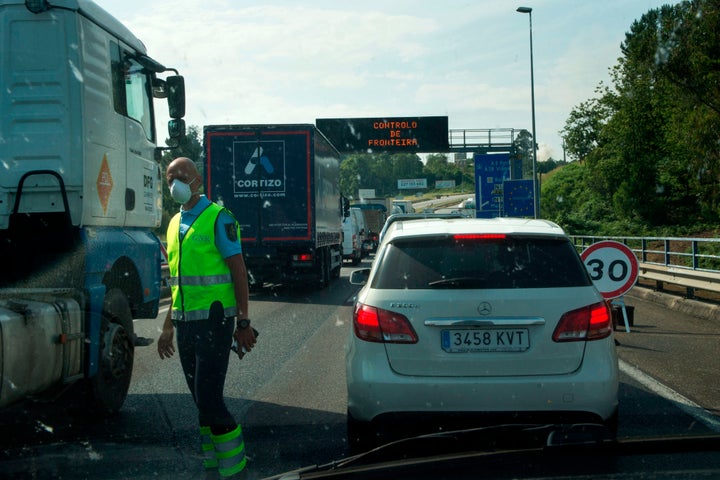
239,275
245,337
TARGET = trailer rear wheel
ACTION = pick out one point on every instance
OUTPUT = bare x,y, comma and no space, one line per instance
337,253
115,363
324,268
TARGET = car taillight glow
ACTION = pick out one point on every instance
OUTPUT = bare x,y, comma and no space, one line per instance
480,236
587,323
377,325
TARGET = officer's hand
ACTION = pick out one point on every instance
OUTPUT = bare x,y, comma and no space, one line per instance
166,349
245,338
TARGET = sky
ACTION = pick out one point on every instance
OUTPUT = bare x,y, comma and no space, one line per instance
280,61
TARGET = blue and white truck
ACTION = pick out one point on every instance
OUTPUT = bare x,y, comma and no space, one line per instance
282,184
80,194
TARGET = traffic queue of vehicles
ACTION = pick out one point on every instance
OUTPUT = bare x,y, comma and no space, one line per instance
456,316
93,185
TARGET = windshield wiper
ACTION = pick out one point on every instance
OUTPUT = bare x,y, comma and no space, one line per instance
505,438
459,282
537,450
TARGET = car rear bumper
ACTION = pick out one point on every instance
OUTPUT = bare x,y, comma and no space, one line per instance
375,390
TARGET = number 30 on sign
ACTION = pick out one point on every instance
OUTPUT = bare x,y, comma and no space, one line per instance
612,266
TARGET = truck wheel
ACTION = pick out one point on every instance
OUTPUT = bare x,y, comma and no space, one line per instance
324,268
335,272
115,363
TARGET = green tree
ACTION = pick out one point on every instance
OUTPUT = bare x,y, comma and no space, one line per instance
689,57
583,128
350,176
650,141
406,165
379,171
567,200
523,146
549,165
437,168
188,146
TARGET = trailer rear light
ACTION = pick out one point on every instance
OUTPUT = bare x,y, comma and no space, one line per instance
588,323
303,257
377,325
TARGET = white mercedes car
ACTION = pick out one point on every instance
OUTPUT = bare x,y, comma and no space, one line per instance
477,321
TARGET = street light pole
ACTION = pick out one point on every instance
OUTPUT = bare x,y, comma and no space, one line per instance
536,193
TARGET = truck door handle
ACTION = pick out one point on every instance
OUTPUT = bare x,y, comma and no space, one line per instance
129,199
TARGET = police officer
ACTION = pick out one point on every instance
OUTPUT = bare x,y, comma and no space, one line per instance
208,282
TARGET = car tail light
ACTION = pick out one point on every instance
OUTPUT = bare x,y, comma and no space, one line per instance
479,236
588,323
302,257
377,325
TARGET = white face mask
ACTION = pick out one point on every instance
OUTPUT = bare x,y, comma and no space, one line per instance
180,191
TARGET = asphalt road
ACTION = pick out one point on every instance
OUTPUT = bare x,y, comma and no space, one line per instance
289,394
674,344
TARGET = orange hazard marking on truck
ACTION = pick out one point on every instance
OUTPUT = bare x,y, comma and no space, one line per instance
104,184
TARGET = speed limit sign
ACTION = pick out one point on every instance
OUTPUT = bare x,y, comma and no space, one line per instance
612,266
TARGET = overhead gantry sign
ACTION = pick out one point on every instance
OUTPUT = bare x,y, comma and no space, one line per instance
393,135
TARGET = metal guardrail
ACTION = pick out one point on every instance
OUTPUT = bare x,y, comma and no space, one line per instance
482,139
691,263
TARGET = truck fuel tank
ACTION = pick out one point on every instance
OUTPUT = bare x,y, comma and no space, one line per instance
41,345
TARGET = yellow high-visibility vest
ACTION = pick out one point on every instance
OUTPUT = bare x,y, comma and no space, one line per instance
199,275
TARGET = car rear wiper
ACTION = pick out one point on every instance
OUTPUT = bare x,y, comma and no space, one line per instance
459,282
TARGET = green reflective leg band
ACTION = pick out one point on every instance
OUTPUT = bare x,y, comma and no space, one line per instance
230,452
208,449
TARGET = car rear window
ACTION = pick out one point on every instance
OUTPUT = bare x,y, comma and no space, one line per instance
480,263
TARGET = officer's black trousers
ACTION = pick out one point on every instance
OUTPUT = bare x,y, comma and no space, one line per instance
204,348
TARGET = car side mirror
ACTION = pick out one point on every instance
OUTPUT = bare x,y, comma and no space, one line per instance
359,277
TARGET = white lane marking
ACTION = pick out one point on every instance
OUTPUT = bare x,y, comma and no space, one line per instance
683,403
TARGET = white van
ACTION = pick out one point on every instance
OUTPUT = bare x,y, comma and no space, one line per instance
362,231
352,246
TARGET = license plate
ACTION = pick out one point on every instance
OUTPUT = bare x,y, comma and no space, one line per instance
485,340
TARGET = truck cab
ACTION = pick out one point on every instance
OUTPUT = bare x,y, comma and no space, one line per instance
80,192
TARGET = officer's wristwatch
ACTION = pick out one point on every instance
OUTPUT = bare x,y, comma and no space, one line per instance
243,323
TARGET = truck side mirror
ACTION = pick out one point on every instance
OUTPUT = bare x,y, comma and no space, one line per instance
176,128
176,96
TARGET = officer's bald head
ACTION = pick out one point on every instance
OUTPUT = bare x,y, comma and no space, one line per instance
183,169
